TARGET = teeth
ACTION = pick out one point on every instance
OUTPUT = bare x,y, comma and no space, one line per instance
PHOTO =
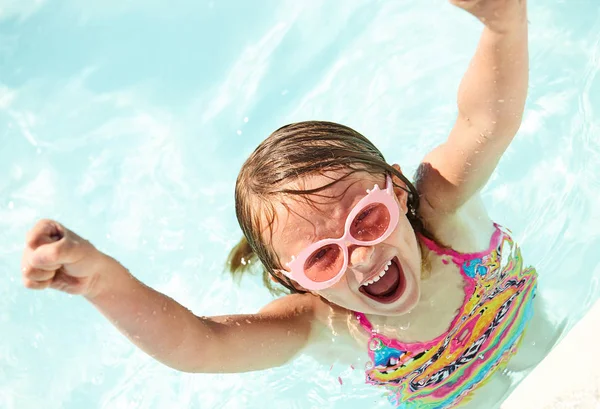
381,274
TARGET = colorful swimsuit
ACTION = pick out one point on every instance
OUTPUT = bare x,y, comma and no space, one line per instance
482,337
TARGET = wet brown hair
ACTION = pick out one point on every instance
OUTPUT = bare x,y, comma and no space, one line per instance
292,152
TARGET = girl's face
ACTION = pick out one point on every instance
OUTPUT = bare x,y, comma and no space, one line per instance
366,286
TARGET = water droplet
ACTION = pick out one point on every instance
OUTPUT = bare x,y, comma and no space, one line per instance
239,132
11,205
246,119
340,380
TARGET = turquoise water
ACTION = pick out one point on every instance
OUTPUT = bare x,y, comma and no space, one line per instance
128,122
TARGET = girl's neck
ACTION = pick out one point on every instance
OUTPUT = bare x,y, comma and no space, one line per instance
442,294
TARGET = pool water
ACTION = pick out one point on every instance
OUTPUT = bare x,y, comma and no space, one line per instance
129,121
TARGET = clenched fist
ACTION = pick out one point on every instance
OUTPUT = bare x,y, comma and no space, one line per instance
498,15
55,257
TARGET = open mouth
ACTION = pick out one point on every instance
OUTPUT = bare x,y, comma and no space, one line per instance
388,286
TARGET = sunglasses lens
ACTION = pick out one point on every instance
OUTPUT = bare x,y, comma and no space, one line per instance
325,263
371,222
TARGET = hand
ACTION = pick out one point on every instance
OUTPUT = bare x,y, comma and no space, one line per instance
55,257
498,15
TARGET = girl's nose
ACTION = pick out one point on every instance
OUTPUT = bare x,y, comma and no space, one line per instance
360,255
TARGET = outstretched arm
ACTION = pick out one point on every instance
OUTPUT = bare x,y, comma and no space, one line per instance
491,100
56,257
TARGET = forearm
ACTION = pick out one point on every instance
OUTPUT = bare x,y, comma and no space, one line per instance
493,91
154,322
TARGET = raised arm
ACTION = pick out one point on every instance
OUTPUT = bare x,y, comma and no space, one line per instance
491,100
55,257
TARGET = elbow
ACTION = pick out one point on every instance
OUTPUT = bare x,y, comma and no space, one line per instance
194,358
506,128
501,126
508,123
193,366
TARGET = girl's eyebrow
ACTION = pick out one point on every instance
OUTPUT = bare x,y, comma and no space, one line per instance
314,237
346,207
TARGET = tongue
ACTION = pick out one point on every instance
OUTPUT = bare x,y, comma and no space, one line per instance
386,284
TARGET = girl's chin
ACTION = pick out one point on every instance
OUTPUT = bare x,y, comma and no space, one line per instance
394,311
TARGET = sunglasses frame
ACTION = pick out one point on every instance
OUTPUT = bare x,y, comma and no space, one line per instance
376,195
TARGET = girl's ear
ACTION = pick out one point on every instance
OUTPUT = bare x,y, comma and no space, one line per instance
400,189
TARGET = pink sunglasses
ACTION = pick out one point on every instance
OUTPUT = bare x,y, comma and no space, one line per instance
371,221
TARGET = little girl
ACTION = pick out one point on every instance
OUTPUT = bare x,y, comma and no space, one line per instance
417,278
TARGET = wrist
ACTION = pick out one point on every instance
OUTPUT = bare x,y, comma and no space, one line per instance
108,272
510,22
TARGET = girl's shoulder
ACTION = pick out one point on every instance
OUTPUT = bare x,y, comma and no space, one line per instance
335,336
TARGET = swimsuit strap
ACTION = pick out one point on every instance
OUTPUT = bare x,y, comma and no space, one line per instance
364,321
460,258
